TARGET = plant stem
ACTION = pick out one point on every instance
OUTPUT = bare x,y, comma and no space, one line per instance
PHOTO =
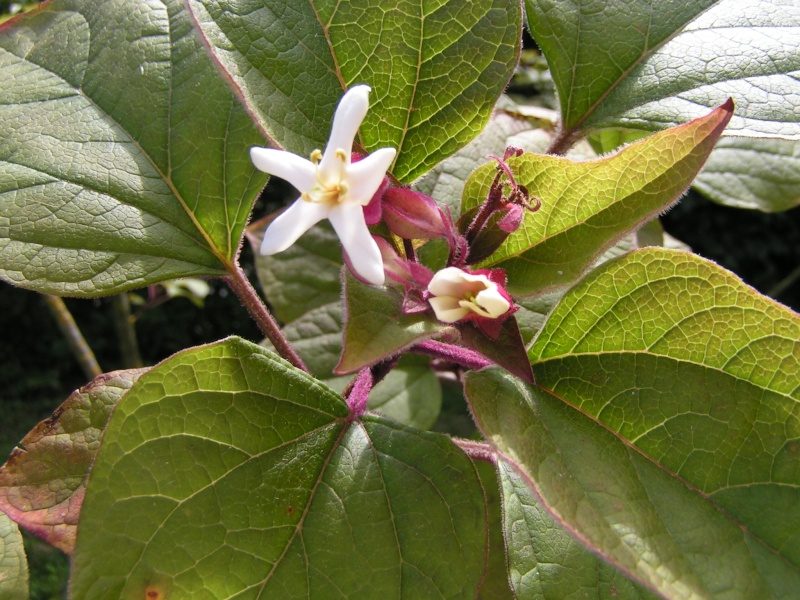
461,356
244,290
123,323
69,329
357,391
784,284
563,141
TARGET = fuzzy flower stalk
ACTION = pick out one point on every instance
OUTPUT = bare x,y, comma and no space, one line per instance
331,187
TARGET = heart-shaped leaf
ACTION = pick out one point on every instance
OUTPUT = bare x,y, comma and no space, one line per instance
226,472
123,155
375,326
436,70
587,206
43,483
13,563
620,503
698,370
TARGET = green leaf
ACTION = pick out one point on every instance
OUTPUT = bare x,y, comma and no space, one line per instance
587,206
695,368
410,394
303,277
671,62
436,70
123,155
375,326
620,503
224,472
748,50
43,482
317,337
762,174
575,39
495,584
545,560
13,563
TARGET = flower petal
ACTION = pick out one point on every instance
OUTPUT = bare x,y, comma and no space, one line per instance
291,224
363,252
351,111
492,302
298,171
447,309
365,177
451,281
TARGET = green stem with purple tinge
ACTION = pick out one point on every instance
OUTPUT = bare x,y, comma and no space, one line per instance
244,290
75,340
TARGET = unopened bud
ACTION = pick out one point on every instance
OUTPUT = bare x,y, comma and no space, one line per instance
412,215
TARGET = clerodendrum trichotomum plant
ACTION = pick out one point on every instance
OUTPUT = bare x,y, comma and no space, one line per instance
635,408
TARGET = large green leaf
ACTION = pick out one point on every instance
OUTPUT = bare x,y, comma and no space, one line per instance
695,368
620,503
575,36
756,173
13,564
43,483
587,206
436,69
224,472
123,155
671,62
545,561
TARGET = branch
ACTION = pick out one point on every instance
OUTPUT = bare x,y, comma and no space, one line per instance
241,286
75,340
468,359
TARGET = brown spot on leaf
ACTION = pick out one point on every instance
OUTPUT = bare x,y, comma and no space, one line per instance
289,510
152,593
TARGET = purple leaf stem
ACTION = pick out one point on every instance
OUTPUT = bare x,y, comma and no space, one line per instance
461,356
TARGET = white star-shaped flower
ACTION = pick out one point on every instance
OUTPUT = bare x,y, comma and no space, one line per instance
331,187
456,294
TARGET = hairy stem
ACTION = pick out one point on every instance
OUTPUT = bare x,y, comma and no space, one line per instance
69,329
460,356
126,334
357,391
241,286
563,141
